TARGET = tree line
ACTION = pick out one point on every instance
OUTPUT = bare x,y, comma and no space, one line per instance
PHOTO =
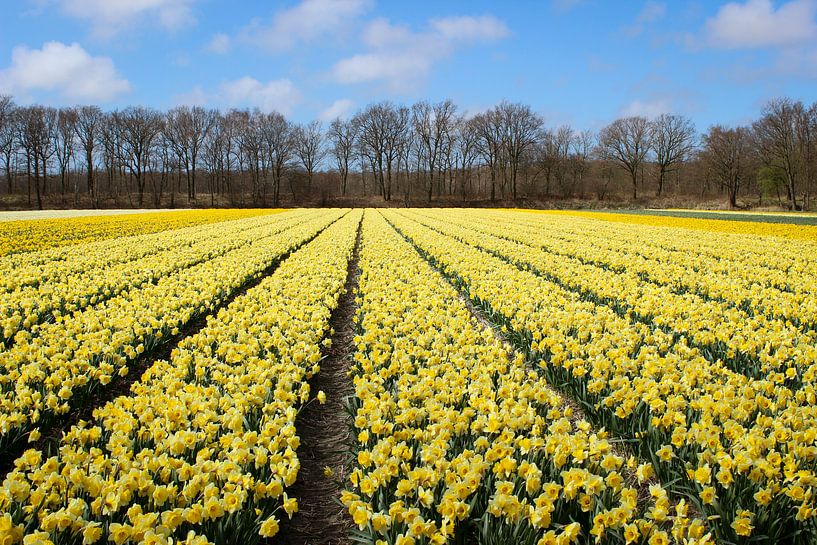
423,153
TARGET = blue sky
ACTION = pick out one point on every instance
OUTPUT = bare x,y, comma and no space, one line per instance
581,62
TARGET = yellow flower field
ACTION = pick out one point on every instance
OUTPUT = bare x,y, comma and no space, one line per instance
204,445
30,235
43,373
803,232
553,378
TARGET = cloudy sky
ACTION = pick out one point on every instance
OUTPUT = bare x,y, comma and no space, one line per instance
582,62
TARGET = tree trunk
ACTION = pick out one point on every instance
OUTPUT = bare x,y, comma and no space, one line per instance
37,183
9,177
193,175
733,195
660,181
792,194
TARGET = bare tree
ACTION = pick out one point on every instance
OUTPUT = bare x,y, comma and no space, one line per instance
231,126
64,144
434,126
277,134
308,142
112,157
186,129
466,152
373,135
8,131
380,129
47,146
407,144
490,142
626,142
138,128
582,145
88,128
807,137
202,122
342,137
560,149
443,132
422,118
221,153
397,136
672,138
160,165
543,159
176,134
426,151
521,127
36,130
778,140
250,140
726,154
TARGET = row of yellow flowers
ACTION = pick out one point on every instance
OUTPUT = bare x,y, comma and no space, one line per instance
203,448
457,441
32,268
46,374
741,450
784,231
77,277
758,275
750,343
767,255
33,235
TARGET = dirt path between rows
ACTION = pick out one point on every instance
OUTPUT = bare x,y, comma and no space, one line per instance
325,435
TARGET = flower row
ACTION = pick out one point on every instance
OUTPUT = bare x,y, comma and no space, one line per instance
88,274
202,449
749,343
737,448
34,235
458,441
761,275
47,374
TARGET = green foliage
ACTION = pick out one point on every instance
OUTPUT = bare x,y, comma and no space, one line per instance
770,181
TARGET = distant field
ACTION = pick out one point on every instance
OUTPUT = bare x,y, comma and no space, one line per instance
795,218
704,221
18,215
49,229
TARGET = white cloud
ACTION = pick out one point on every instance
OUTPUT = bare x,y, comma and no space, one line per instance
66,69
400,56
470,29
195,97
220,44
279,95
651,12
648,108
381,33
340,108
109,17
755,23
393,67
307,21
